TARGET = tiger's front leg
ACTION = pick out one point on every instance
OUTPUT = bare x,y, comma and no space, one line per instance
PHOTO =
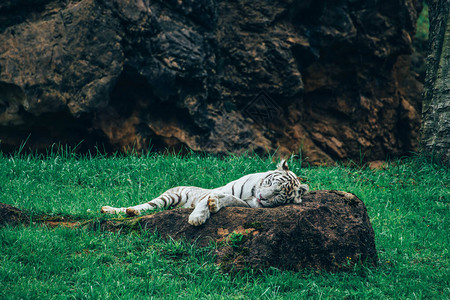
213,204
218,201
202,211
200,214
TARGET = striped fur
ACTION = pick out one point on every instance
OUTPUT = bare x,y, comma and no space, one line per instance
267,189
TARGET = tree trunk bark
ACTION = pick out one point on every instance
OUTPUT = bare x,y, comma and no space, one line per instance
436,103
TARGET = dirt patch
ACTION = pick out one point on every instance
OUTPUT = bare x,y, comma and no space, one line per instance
9,215
58,221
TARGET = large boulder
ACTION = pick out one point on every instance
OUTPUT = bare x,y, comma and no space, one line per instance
329,230
328,78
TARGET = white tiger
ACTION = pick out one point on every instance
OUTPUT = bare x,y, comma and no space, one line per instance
267,189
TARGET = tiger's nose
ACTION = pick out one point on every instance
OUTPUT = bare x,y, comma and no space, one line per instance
304,188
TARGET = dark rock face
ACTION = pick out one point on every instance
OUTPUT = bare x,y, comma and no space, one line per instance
9,215
328,78
330,230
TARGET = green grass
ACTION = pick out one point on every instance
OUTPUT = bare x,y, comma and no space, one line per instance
408,204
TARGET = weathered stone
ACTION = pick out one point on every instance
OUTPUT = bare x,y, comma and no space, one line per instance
129,74
330,230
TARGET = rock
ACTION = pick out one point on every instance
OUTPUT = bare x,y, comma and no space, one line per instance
330,79
330,231
378,165
9,215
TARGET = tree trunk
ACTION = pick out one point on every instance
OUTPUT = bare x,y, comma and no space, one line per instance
436,104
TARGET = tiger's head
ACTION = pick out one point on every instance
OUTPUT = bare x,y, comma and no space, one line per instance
279,187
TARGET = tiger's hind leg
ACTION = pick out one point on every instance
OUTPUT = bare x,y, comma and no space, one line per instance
131,211
136,210
170,198
112,210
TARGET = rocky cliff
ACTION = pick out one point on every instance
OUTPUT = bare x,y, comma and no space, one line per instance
329,79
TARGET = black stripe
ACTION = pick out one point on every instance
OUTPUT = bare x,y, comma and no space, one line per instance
265,177
178,199
171,198
242,188
292,176
204,195
163,199
232,189
152,204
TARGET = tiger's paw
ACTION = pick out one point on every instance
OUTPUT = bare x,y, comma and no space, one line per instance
197,219
213,204
108,210
131,212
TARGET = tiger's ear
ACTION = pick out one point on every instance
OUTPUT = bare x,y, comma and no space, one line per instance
283,166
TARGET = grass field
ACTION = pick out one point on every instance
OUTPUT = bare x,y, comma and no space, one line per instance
408,203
